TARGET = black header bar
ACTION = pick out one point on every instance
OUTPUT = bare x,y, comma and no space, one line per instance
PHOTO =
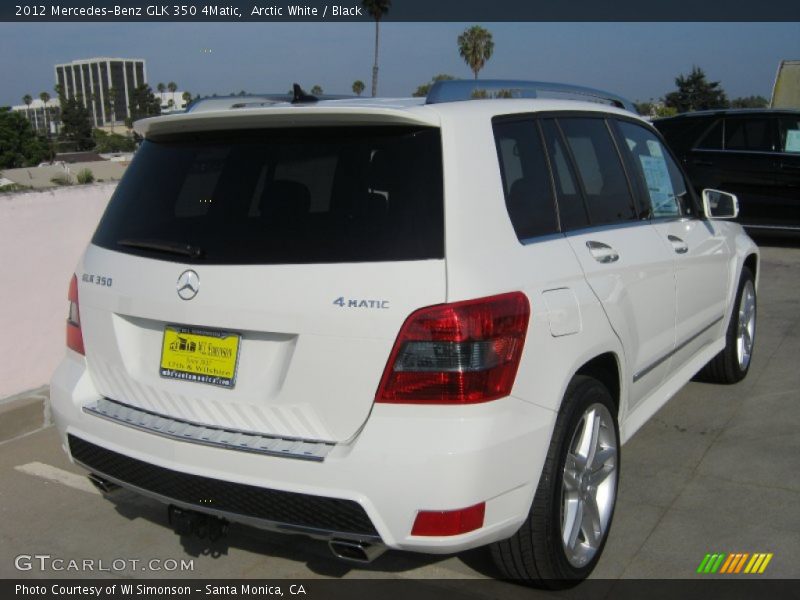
481,11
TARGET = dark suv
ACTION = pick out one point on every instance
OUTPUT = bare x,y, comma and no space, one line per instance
754,154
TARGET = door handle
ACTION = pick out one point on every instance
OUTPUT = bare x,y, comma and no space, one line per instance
602,253
678,244
790,167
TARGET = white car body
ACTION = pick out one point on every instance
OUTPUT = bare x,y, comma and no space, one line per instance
309,369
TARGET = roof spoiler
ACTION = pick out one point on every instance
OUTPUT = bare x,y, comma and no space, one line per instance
466,89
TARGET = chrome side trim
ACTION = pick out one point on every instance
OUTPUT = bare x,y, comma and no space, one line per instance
320,534
207,435
676,349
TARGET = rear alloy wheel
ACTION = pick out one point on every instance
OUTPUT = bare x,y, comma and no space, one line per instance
565,532
588,486
732,363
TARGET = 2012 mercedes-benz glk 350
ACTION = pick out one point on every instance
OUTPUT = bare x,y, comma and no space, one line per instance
416,324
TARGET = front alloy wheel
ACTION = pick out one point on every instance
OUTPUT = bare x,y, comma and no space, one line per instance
746,330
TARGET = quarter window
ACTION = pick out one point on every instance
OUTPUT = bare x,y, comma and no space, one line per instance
608,197
526,179
666,188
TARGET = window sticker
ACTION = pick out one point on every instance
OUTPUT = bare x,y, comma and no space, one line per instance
792,140
659,185
655,148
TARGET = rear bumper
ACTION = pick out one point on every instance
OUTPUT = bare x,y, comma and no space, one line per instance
405,459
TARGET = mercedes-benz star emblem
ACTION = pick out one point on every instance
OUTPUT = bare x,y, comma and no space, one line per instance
188,285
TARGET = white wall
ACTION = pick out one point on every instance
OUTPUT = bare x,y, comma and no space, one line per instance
42,237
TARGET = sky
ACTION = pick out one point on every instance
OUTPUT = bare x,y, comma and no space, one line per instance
636,60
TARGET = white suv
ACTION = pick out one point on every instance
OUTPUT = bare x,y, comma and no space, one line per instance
425,325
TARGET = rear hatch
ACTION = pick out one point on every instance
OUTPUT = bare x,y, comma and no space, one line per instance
256,279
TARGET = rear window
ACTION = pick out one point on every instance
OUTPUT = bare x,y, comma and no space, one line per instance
280,196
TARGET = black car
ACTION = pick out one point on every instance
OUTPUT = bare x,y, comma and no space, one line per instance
754,154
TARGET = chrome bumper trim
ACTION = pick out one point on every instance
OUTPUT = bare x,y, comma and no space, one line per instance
207,435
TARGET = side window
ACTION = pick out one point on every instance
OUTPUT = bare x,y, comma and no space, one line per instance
526,178
571,207
789,131
712,140
665,185
753,134
608,197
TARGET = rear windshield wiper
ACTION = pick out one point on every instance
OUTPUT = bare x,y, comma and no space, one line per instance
163,246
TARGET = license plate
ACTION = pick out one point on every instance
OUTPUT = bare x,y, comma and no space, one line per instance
201,356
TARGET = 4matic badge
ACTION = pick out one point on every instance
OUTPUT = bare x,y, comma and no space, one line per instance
360,303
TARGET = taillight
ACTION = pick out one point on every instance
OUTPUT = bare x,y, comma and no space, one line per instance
74,334
460,353
449,522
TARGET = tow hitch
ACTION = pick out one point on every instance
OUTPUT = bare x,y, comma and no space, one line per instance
190,522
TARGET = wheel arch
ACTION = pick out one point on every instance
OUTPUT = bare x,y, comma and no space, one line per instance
605,368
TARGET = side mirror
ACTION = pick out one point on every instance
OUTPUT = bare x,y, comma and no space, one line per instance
720,205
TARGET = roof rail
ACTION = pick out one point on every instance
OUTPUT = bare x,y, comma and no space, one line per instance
228,102
467,89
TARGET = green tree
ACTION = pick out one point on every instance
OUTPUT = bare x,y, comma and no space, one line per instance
423,89
161,88
28,99
475,46
358,87
112,142
45,98
76,127
19,144
187,99
143,103
172,87
377,9
316,90
644,108
750,102
695,92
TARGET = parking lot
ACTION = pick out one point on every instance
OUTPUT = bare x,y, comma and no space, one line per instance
714,471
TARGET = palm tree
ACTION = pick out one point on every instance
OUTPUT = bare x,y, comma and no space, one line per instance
358,87
161,88
187,98
377,9
316,90
112,102
45,98
28,99
475,46
172,87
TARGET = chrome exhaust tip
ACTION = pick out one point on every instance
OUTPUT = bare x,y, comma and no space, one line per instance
354,551
103,485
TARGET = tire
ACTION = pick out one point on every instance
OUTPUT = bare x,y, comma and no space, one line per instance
537,554
732,364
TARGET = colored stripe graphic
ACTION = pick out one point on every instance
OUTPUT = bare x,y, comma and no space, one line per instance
734,563
727,564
